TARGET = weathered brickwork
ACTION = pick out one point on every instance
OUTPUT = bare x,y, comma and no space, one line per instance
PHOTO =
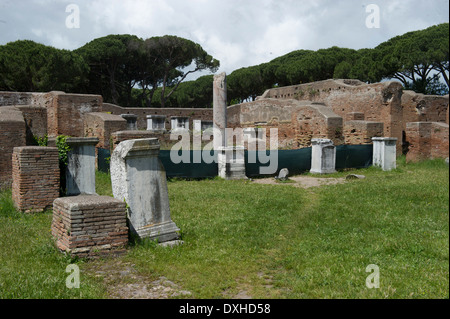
333,111
66,113
35,121
439,140
424,108
102,125
354,116
361,132
297,121
90,226
12,133
427,140
35,172
379,102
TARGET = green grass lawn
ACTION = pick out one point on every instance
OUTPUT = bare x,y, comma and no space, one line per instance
268,241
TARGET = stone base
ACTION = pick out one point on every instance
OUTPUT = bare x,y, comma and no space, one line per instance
322,171
90,226
163,232
232,171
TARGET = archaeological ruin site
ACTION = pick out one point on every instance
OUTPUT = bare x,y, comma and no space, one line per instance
316,118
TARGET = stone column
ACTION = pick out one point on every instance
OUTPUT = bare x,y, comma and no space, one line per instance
323,156
80,171
220,110
131,121
231,162
384,152
139,178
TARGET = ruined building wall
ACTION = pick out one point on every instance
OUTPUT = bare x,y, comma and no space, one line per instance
35,121
427,140
297,122
361,132
66,113
63,115
424,108
102,125
379,102
12,133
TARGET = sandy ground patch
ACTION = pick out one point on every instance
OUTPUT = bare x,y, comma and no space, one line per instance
302,181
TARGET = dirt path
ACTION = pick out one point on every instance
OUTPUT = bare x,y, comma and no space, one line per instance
302,181
123,282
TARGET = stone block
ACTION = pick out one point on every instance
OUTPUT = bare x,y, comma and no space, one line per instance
131,121
139,179
90,225
384,152
231,162
323,156
80,171
156,123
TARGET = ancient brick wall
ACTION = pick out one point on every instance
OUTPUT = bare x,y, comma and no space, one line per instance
439,140
141,112
102,125
427,140
66,113
35,174
297,121
361,132
12,133
35,121
424,108
15,98
90,226
379,102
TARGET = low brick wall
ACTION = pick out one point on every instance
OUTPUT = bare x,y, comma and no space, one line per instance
35,173
101,125
12,133
427,140
361,132
439,140
35,121
90,226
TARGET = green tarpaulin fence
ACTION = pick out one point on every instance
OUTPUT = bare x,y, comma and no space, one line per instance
296,161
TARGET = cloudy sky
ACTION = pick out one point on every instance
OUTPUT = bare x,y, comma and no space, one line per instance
239,33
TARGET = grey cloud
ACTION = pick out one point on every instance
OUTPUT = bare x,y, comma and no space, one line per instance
239,33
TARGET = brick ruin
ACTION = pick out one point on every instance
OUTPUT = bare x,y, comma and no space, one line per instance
36,177
338,111
345,111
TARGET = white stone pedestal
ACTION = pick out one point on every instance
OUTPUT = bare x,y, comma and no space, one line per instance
385,153
231,162
323,156
156,123
131,121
